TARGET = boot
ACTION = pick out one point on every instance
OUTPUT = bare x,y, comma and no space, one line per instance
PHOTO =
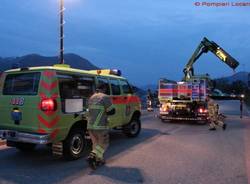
92,161
224,126
212,128
100,162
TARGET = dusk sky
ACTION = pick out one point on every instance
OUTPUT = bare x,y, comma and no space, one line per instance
146,39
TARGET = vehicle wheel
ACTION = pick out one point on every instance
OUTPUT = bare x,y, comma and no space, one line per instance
25,147
74,144
133,128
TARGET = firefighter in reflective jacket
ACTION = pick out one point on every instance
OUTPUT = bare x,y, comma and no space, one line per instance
150,101
215,118
100,107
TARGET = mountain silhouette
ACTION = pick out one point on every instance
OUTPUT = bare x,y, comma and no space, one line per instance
239,76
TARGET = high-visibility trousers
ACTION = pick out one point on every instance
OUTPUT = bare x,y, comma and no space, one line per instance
100,142
216,121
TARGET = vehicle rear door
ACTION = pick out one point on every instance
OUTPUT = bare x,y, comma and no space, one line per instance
75,90
19,101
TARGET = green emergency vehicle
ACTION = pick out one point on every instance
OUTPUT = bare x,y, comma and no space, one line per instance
48,105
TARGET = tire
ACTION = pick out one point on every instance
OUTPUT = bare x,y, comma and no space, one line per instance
133,128
25,147
74,145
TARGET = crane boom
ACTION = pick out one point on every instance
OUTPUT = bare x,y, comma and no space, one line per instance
204,47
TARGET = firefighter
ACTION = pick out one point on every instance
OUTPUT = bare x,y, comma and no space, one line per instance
215,118
150,101
100,107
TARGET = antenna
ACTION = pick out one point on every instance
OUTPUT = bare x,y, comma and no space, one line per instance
62,9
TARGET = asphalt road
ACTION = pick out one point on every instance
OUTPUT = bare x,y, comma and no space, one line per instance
169,153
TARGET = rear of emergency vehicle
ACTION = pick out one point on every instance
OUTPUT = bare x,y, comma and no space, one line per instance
48,105
28,99
182,100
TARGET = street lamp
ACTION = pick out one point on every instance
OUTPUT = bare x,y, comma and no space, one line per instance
61,59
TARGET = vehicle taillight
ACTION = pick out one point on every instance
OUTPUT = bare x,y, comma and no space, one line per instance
48,105
202,110
164,109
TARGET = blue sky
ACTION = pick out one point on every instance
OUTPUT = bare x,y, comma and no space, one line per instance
146,39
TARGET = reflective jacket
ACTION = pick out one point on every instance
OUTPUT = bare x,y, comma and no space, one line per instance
212,110
100,106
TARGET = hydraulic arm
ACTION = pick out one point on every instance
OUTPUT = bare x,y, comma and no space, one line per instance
204,47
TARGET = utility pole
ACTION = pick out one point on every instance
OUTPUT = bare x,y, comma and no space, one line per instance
61,32
248,80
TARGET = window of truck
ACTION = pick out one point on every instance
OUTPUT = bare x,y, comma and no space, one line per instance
115,87
75,91
126,88
104,81
21,84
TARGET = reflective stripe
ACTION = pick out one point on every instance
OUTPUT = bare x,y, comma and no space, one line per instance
98,122
99,151
98,118
109,108
99,114
125,99
96,107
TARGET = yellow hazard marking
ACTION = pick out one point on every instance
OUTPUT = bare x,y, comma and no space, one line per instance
221,55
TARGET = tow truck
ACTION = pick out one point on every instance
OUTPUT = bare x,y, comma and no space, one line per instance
187,99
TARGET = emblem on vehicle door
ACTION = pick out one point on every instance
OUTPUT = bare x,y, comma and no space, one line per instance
17,101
